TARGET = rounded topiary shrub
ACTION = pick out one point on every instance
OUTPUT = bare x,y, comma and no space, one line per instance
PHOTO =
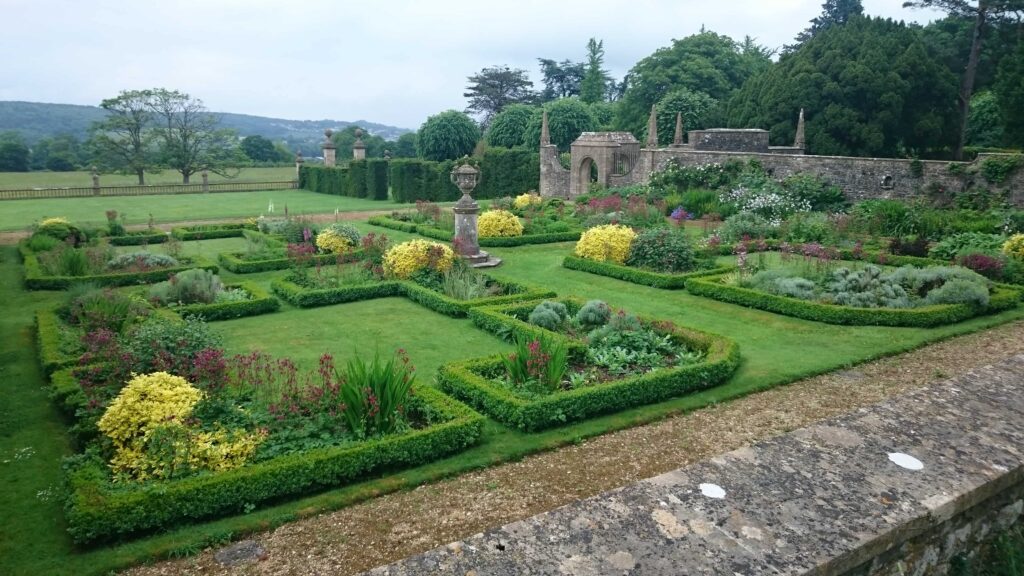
1014,247
526,200
408,258
594,314
608,243
338,238
499,223
662,250
549,314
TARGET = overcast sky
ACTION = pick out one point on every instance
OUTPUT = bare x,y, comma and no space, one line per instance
394,62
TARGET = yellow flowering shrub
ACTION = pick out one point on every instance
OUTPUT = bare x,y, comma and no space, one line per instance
333,242
495,223
147,425
54,222
527,199
1014,247
405,259
610,242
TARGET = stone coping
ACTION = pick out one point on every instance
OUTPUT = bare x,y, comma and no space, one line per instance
825,499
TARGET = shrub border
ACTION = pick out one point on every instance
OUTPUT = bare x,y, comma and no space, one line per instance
35,280
260,302
98,510
139,239
210,232
462,379
48,340
634,275
233,262
485,242
924,317
308,298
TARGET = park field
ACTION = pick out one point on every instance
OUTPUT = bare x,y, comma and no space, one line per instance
83,178
90,211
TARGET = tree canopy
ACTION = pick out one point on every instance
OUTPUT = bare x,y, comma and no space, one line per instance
447,136
594,86
561,79
870,88
491,89
190,138
833,13
705,62
509,126
567,119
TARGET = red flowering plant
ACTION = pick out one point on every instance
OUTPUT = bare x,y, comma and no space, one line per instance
541,362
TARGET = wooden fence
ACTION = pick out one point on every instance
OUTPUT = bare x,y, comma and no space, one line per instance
87,192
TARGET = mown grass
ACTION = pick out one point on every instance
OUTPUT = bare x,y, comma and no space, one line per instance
776,350
20,214
83,178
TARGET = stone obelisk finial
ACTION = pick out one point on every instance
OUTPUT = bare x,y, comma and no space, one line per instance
801,139
545,133
677,140
652,128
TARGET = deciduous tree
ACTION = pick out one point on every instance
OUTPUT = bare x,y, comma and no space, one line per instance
190,140
447,136
125,140
491,89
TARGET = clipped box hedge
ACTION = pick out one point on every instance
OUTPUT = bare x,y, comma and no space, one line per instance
310,297
99,510
48,329
139,238
235,262
637,275
260,302
496,242
211,231
35,279
465,379
1002,298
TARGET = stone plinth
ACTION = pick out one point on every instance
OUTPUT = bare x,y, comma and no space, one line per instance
467,242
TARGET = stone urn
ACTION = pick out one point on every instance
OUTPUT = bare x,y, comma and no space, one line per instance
466,242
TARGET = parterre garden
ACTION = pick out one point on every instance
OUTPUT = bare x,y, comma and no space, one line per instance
223,379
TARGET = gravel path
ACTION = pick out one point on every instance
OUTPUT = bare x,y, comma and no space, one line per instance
398,525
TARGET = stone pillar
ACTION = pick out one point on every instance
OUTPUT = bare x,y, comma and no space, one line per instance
652,128
206,180
801,140
677,140
299,161
358,148
95,182
545,132
467,243
329,149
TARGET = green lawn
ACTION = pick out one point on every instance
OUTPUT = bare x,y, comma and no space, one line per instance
20,214
83,178
775,350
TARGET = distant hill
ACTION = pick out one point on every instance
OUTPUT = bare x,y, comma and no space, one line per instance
35,120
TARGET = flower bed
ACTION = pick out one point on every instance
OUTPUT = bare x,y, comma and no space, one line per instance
211,231
260,302
36,279
1001,298
473,380
310,297
98,509
638,275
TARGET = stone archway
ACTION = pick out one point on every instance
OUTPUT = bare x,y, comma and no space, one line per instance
586,174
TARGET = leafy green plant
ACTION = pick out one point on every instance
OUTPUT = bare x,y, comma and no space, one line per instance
193,286
746,224
997,169
462,282
376,394
106,309
141,260
593,314
549,314
948,248
541,361
662,250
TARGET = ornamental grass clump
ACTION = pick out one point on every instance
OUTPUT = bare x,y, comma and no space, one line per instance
406,259
195,286
608,243
499,224
338,239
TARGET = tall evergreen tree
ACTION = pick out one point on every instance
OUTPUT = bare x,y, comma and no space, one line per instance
491,89
594,86
833,13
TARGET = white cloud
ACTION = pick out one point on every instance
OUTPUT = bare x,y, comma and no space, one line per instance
392,62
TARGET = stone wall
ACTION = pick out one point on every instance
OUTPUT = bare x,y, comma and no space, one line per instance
728,140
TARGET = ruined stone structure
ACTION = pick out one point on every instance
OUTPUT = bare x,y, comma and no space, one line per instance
616,159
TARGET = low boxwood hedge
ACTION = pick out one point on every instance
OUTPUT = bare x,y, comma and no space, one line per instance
99,510
48,330
66,393
496,242
311,297
260,302
210,231
465,381
139,238
386,222
236,262
1002,298
35,279
637,275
